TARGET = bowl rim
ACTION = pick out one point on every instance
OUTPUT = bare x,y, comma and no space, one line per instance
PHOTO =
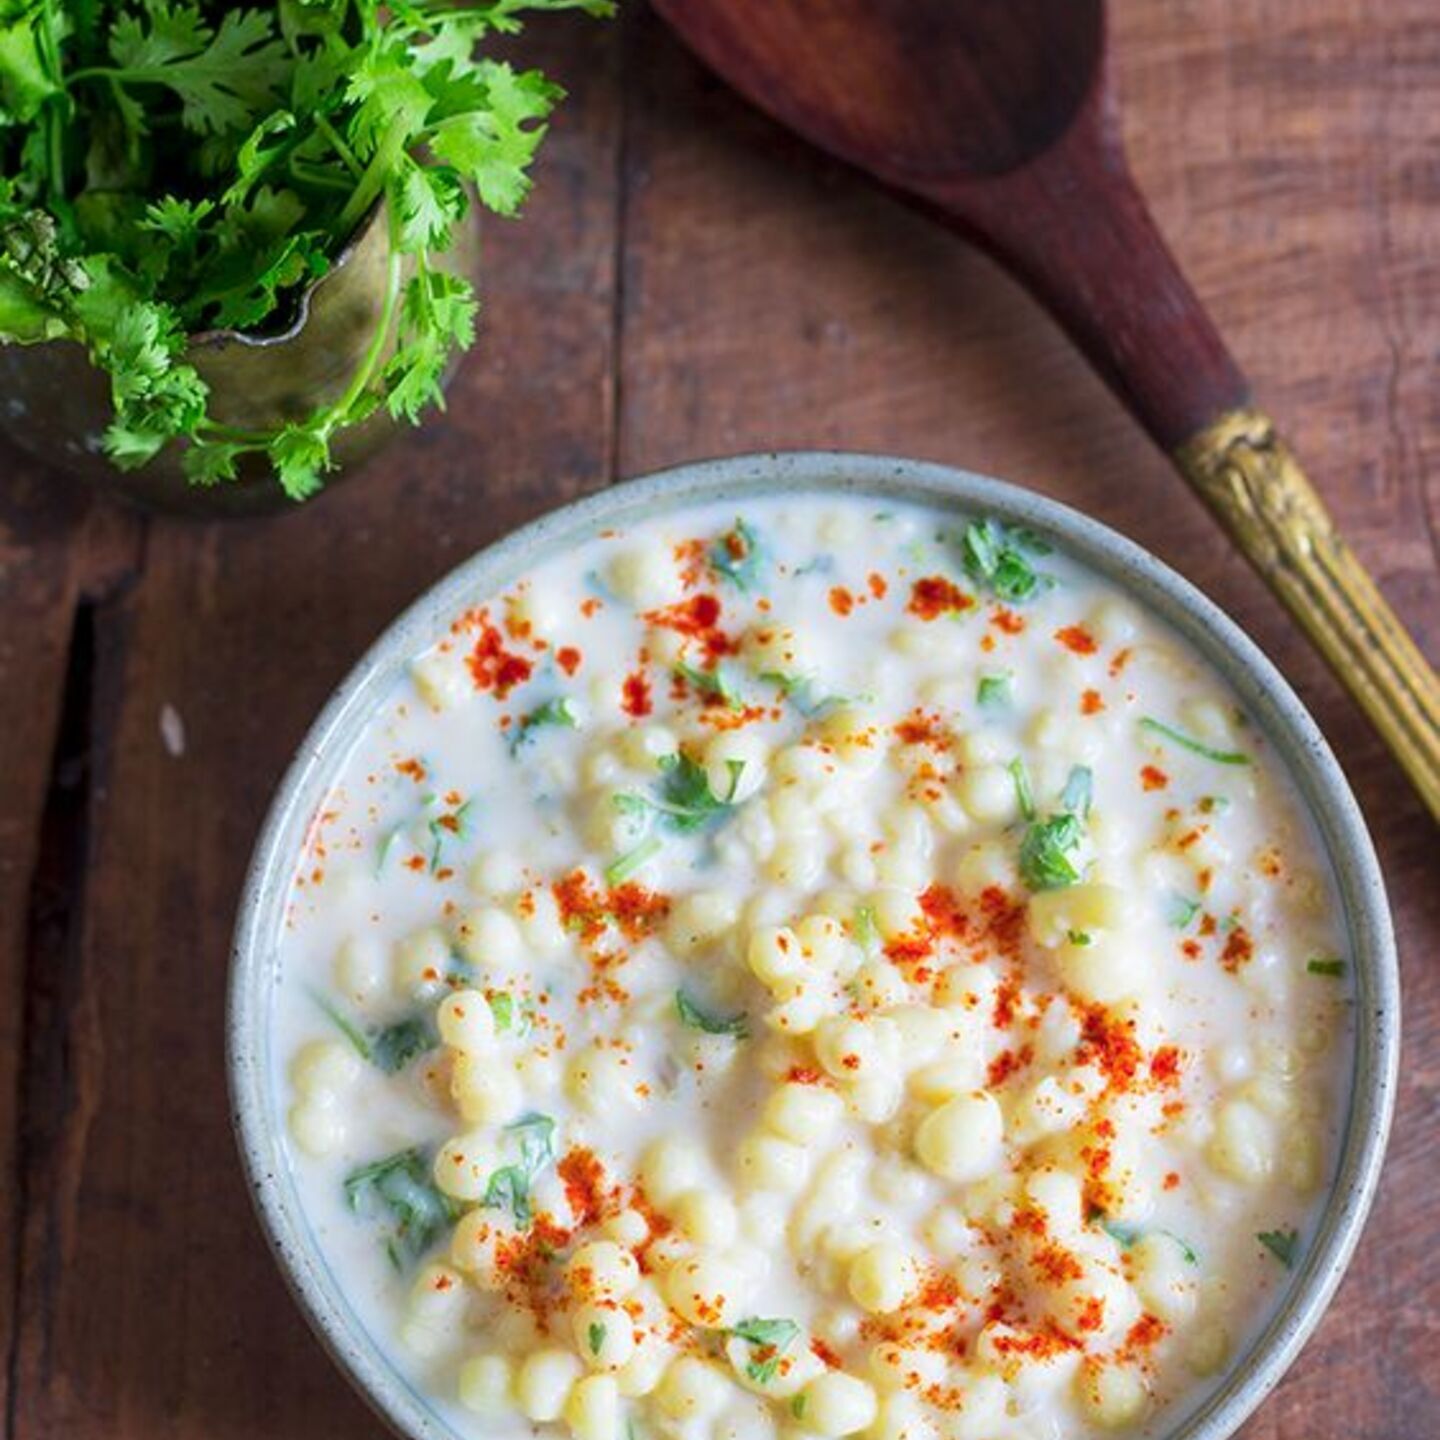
1323,790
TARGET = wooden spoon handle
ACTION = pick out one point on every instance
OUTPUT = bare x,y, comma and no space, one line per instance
1074,227
1248,476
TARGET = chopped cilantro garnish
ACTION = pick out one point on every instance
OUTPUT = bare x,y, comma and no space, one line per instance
736,555
1125,1235
1082,938
769,1340
710,682
395,1046
1284,1245
502,1007
686,801
994,692
389,1048
458,825
618,871
1180,911
509,1186
595,1334
1046,852
995,556
403,1186
1188,742
1333,967
696,1018
800,691
1024,795
557,712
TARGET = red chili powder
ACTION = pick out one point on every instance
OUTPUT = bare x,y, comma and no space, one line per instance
1078,639
1239,948
842,602
934,596
635,695
492,666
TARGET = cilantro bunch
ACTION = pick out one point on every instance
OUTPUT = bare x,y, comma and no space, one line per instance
174,166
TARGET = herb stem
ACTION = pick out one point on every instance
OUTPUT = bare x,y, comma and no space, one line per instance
372,180
339,146
365,371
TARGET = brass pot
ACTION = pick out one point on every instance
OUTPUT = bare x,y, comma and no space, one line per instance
56,405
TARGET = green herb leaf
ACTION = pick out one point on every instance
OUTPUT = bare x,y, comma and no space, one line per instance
509,1187
402,1187
769,1340
1319,965
996,557
710,682
1024,795
618,871
1180,910
1125,1235
395,1046
558,712
390,1048
995,693
1284,1245
1047,851
595,1334
685,802
696,1018
802,693
1188,742
1081,938
736,555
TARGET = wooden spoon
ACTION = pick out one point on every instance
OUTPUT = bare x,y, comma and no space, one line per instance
998,117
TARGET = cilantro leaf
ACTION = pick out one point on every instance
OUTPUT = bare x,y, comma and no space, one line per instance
555,712
994,692
403,1187
715,683
696,1018
996,557
1284,1245
1047,852
509,1187
685,802
736,556
1188,742
769,1340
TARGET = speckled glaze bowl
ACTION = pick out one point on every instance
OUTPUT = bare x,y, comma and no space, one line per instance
255,1073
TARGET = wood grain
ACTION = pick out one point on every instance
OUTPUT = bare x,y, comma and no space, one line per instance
688,281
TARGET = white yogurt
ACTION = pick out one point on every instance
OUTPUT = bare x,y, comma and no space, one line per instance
836,972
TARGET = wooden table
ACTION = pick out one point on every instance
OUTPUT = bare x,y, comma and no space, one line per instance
688,281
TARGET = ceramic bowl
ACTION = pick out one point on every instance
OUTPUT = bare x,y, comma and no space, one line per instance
255,1073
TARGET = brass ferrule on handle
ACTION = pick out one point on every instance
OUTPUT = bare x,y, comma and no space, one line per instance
1248,476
